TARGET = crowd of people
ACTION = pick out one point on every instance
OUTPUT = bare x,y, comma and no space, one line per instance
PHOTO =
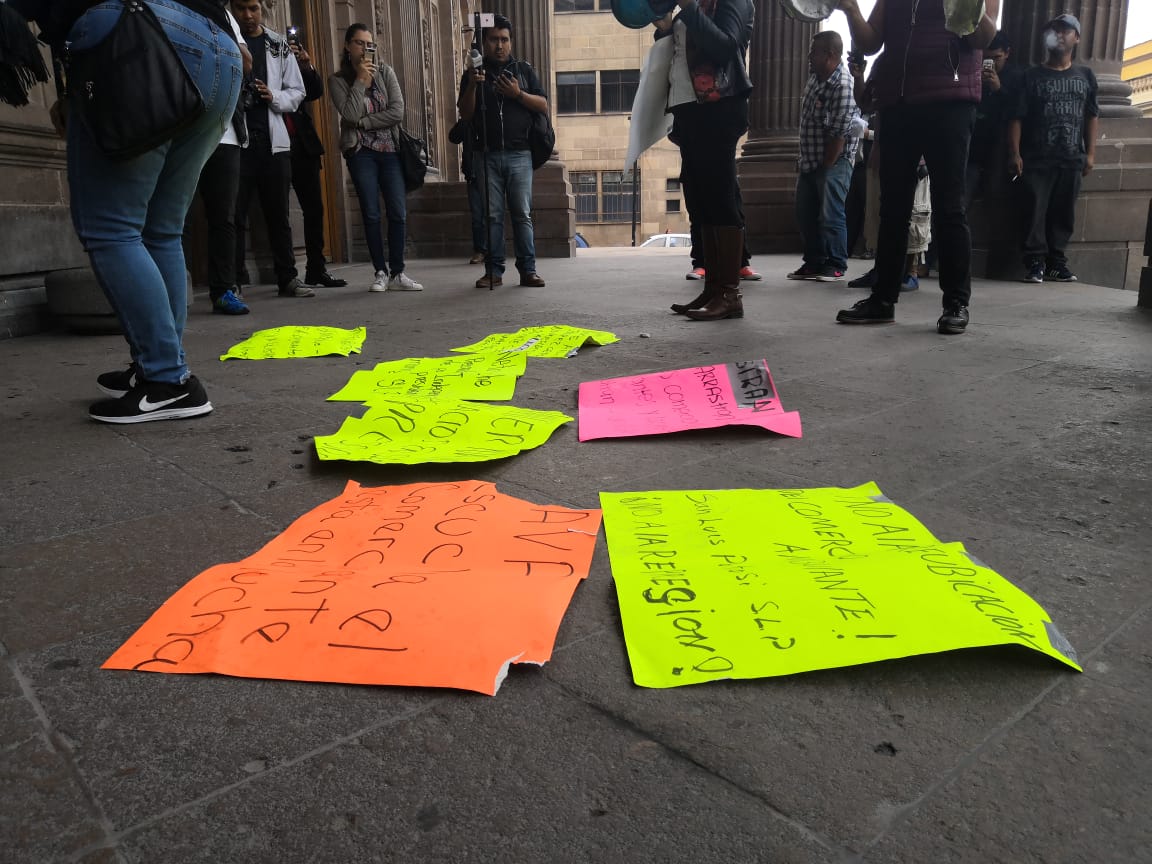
940,108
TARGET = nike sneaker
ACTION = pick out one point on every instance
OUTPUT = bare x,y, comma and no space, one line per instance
116,384
154,400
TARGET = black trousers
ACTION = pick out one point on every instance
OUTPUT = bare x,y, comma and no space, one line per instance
306,182
707,134
697,251
1049,191
855,204
218,185
267,176
939,132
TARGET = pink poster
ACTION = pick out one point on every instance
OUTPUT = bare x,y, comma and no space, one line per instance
732,394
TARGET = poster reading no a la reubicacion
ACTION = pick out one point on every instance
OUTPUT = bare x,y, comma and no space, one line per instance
753,583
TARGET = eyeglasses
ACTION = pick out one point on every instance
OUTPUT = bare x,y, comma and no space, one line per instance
361,42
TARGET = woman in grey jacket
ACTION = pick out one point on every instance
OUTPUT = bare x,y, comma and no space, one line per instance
371,108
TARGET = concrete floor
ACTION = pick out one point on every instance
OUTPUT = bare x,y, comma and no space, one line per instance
1027,439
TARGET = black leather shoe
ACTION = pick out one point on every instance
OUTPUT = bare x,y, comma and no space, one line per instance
870,310
325,280
954,320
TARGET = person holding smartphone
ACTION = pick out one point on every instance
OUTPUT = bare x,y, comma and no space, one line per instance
371,107
307,161
497,101
998,83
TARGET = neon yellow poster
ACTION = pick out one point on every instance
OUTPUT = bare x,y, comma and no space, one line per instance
397,431
552,340
279,343
755,583
485,377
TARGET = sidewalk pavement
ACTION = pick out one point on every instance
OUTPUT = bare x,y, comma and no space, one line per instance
1027,439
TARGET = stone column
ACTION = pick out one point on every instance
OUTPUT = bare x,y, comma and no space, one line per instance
1101,42
767,166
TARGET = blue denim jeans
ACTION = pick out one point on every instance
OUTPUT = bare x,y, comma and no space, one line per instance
509,174
476,209
130,215
820,197
376,174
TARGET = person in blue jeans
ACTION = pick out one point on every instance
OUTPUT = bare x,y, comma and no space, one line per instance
498,100
371,107
129,215
827,154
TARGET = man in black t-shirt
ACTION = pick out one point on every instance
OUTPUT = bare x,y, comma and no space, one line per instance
1052,144
498,100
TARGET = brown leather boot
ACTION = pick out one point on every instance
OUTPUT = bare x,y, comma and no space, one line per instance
724,251
699,303
705,296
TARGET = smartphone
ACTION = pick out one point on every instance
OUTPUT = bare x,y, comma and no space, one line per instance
370,50
293,35
989,65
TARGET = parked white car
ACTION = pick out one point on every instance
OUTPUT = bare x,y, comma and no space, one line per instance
668,241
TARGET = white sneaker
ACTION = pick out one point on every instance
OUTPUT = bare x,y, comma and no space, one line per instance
381,282
401,282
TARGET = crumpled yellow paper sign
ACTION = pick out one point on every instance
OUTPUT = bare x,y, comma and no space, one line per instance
552,340
485,377
280,343
753,583
410,432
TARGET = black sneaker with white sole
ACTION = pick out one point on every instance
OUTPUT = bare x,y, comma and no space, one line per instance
116,384
154,400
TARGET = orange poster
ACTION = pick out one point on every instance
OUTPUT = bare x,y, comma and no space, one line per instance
424,585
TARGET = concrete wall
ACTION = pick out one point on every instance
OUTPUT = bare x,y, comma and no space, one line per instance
37,233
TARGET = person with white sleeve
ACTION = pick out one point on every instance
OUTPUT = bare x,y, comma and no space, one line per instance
276,88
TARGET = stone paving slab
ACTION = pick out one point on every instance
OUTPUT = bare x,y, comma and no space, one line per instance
1027,438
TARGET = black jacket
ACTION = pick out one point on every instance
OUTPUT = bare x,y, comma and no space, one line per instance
721,39
305,140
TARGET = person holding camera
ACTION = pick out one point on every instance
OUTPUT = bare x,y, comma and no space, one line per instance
371,107
927,105
497,100
274,90
307,152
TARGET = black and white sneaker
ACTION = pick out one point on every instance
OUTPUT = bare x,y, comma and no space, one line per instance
154,400
116,384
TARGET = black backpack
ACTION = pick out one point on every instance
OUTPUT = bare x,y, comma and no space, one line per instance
541,135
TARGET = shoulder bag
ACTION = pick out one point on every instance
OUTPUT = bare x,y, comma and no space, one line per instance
131,90
413,159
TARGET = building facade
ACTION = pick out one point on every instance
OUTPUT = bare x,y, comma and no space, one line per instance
1137,72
